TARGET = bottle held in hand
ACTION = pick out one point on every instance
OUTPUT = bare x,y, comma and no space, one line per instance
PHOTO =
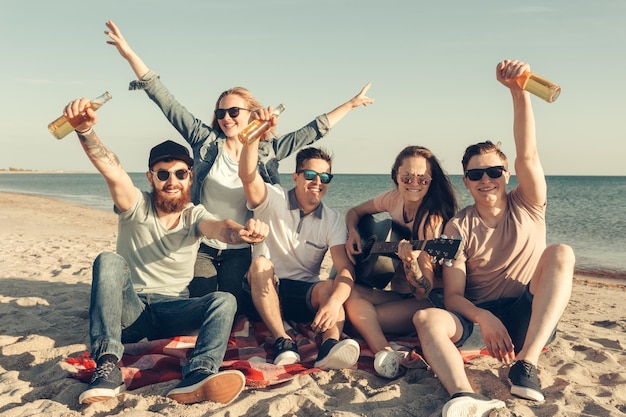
258,128
539,86
61,127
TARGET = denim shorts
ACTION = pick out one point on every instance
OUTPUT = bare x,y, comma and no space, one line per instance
295,300
514,314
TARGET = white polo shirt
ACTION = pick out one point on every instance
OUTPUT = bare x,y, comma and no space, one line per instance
297,243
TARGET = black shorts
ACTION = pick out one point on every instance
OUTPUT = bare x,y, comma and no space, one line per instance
514,314
295,300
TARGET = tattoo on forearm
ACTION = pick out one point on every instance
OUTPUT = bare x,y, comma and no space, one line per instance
414,273
97,151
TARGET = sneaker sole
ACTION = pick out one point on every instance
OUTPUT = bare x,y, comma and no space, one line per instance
526,393
287,358
222,387
470,407
96,395
387,364
342,356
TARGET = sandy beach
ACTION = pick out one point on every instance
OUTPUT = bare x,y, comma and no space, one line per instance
47,248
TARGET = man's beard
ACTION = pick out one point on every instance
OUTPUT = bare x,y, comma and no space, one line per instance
168,204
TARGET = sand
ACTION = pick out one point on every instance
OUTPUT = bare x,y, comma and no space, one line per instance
47,248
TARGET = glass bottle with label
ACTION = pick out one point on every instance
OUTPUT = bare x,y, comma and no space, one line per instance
258,128
61,127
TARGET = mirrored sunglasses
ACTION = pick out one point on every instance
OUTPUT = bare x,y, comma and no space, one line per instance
420,179
477,174
164,175
310,175
232,112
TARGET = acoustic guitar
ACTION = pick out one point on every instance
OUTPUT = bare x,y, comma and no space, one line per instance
377,263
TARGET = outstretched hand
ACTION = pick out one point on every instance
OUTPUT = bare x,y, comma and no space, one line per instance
361,99
117,40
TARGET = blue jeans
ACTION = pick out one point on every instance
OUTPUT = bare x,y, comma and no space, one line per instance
117,315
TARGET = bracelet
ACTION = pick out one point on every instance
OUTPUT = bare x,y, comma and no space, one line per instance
85,132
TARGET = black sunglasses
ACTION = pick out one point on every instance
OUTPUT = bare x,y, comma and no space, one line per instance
477,174
310,175
232,112
164,175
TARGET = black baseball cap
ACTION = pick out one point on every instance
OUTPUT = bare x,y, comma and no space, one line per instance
169,150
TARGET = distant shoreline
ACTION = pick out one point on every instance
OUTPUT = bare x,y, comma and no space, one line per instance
31,171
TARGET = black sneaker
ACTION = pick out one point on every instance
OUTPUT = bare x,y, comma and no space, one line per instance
524,381
286,352
334,354
106,383
222,387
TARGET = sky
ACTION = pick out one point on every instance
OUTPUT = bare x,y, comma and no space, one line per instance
431,65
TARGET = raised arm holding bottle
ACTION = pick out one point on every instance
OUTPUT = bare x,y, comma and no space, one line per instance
216,151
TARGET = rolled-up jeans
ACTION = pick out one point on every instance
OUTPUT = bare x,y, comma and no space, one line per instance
118,314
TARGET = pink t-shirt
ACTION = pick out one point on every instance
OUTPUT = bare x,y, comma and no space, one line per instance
500,261
392,203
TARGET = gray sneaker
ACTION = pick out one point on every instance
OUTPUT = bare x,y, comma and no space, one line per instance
106,383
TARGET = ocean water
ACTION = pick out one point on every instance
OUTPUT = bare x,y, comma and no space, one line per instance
586,213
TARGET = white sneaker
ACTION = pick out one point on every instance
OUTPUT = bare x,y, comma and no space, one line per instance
470,405
387,363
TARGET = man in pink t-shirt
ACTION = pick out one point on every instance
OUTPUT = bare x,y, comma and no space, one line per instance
506,280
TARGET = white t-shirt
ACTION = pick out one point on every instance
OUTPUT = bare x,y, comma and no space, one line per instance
297,244
222,195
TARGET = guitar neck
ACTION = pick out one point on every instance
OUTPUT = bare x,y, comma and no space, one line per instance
390,248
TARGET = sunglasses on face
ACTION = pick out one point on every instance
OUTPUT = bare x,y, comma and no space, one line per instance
164,175
233,112
477,174
420,179
310,175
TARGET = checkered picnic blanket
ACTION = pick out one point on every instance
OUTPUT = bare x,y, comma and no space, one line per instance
250,350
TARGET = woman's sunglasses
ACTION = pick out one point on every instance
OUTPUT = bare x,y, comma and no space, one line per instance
423,180
164,175
232,112
477,174
310,175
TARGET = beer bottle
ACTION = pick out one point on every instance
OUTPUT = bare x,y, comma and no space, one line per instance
61,127
538,86
258,128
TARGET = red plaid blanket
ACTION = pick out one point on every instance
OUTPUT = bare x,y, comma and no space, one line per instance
250,350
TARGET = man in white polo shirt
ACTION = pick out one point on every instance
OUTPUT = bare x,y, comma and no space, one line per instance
283,278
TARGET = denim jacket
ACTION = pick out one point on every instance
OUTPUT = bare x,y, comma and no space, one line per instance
207,142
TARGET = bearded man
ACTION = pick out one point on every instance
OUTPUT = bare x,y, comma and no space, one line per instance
141,290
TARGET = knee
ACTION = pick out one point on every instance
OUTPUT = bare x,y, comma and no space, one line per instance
108,264
562,255
225,301
425,320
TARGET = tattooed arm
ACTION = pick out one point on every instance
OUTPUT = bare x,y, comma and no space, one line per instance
418,270
417,280
121,187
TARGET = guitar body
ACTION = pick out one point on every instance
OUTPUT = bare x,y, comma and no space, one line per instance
372,269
